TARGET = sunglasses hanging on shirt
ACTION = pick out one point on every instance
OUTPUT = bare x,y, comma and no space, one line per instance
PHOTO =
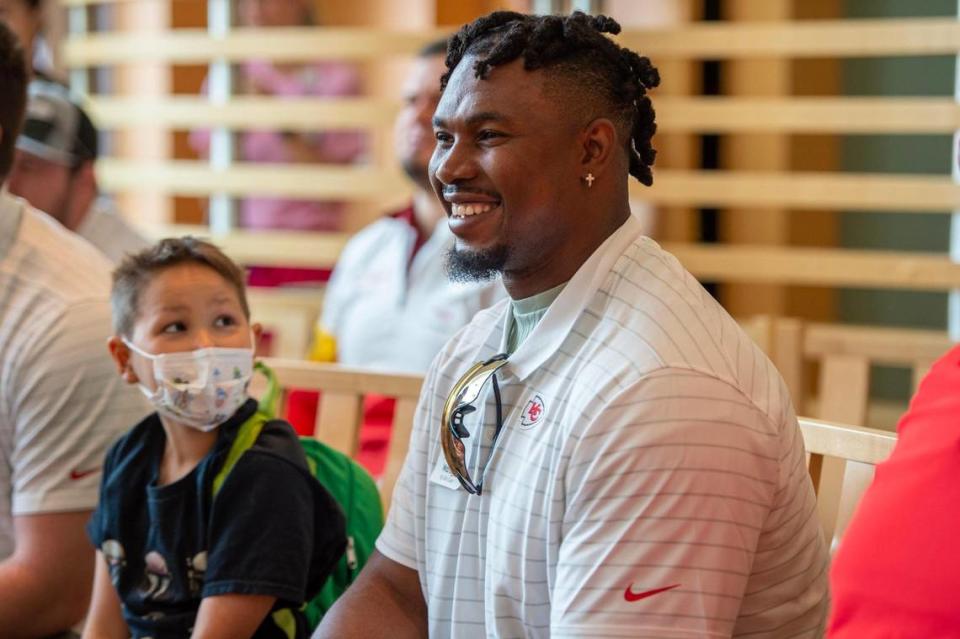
461,402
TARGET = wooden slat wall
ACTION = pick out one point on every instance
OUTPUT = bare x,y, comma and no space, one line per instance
752,192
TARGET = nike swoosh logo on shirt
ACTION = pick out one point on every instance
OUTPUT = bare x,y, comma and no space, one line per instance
629,595
77,474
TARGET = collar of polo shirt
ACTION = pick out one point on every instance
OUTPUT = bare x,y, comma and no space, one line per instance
559,319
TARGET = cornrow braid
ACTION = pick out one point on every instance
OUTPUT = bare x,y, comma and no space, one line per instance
574,46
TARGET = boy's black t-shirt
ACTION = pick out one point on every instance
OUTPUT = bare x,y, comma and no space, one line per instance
271,530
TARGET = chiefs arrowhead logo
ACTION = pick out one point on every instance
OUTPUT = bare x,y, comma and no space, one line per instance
532,412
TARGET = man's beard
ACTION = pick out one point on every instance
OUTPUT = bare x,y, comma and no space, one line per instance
476,266
417,173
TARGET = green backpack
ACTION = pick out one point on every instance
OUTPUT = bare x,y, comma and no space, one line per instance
349,484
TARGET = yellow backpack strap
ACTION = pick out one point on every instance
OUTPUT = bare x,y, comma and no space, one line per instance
268,403
250,429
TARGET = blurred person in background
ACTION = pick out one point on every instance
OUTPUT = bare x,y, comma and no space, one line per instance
390,304
53,170
61,404
25,18
295,80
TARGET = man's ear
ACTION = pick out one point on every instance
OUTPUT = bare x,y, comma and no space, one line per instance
120,354
86,175
599,141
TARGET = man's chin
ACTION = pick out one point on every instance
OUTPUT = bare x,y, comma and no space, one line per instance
466,265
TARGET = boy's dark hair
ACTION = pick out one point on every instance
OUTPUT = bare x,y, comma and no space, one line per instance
597,76
13,96
134,273
437,47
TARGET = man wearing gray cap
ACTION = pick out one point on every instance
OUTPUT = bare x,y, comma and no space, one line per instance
61,402
54,171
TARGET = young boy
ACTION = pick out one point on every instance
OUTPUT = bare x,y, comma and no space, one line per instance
175,558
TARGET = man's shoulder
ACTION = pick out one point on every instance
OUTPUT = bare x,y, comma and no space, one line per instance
64,266
372,242
652,308
110,233
386,228
662,307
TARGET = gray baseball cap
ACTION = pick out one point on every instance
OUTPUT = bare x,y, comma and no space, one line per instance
55,128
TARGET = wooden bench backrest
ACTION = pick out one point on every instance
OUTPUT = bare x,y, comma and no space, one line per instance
842,462
341,413
289,315
845,355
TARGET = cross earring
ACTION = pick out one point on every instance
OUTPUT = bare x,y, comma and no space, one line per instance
589,180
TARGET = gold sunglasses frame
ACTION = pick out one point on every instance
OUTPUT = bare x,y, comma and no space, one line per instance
460,402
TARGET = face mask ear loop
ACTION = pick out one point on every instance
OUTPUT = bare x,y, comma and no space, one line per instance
149,394
137,350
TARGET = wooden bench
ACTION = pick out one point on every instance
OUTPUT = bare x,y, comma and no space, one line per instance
840,391
841,445
341,412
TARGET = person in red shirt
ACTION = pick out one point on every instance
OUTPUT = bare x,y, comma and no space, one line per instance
896,572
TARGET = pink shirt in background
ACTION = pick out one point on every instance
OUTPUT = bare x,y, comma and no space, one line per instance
320,79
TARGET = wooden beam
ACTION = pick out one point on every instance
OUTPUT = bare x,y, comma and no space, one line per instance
807,115
807,266
342,379
819,267
301,114
189,177
888,346
808,190
808,38
868,191
266,248
801,39
286,44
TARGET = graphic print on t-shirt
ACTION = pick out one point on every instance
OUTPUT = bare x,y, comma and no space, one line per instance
157,577
196,569
115,557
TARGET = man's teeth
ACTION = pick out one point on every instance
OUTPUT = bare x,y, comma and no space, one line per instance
466,210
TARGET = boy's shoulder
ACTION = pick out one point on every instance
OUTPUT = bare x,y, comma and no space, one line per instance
278,439
136,446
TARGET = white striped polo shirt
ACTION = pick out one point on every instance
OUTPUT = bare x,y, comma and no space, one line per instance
649,480
62,402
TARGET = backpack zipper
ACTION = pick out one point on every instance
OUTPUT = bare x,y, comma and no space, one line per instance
351,555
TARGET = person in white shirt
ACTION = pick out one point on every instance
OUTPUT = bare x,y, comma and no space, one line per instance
389,304
61,403
53,169
606,454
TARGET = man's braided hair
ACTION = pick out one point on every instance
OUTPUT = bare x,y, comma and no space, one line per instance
573,47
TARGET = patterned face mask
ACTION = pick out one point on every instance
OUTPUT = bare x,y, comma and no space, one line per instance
200,388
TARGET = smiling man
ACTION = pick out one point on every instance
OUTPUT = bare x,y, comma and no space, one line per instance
606,454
